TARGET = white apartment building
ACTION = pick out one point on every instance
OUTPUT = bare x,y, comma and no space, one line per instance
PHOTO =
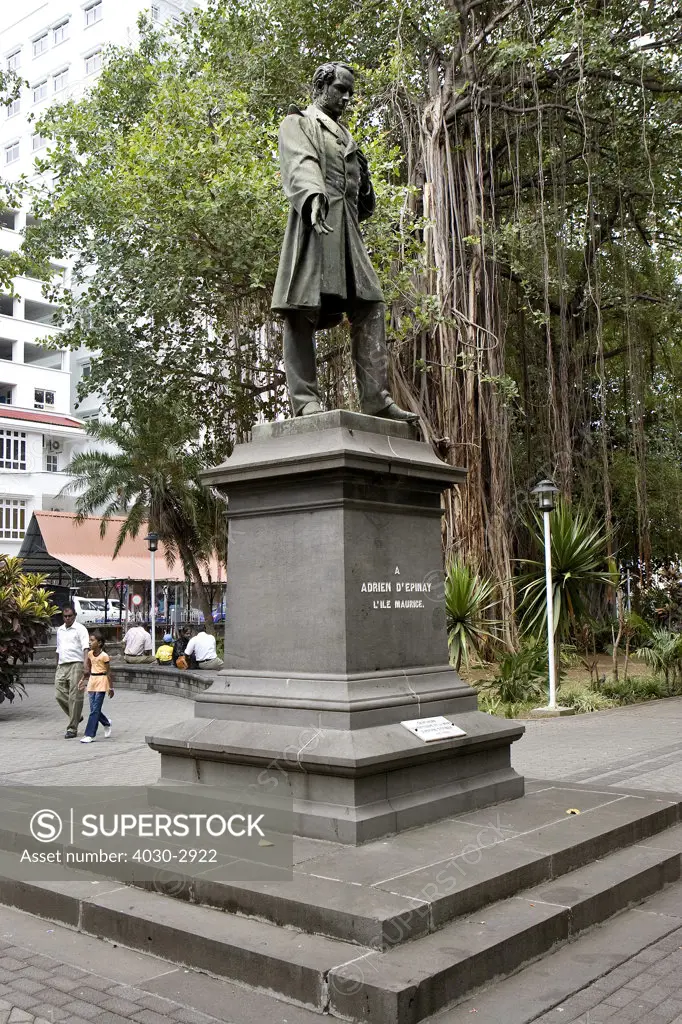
56,46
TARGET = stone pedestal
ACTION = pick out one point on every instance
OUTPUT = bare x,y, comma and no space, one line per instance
336,634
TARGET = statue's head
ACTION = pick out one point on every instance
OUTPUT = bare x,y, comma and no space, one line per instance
333,86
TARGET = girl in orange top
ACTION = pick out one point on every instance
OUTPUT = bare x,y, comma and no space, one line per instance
98,677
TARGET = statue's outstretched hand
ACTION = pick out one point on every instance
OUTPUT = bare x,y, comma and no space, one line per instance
318,216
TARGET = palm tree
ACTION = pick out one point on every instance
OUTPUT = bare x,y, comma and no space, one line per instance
580,563
662,652
149,473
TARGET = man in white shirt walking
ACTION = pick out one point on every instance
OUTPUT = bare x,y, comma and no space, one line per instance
72,649
202,646
138,647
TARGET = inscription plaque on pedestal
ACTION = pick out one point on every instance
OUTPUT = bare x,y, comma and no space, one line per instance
431,729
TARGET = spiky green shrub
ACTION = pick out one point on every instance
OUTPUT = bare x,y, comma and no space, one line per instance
579,565
468,599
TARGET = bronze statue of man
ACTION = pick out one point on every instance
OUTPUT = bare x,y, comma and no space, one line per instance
324,269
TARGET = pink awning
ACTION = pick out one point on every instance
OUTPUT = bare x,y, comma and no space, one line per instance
81,546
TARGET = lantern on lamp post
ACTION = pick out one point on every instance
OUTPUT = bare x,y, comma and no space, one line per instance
545,493
153,543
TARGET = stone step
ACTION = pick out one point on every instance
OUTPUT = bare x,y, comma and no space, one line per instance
288,964
411,982
392,891
403,984
389,892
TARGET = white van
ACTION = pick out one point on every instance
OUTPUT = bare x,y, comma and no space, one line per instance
90,610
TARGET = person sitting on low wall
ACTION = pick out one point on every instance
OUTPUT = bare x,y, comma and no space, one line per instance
202,646
164,652
180,646
138,646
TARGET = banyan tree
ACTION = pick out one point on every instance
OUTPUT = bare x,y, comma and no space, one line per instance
527,158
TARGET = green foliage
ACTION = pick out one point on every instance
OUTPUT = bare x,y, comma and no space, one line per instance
522,676
584,701
635,629
579,566
149,474
661,603
25,610
527,163
167,181
662,652
634,691
468,597
490,703
12,264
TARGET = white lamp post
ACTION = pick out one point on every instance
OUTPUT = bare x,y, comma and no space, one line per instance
153,543
545,492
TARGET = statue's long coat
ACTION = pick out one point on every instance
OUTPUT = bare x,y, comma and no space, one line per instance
319,157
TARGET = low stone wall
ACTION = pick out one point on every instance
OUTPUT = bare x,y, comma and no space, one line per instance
45,652
146,678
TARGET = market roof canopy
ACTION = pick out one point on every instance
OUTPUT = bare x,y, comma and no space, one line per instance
55,539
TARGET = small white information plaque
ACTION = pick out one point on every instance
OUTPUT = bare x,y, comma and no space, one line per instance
430,729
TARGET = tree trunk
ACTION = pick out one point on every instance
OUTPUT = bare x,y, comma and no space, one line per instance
465,350
206,606
202,589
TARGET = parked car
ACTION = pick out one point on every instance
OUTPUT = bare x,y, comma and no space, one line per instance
196,615
90,610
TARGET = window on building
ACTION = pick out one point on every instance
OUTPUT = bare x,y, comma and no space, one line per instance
40,45
14,107
93,13
12,449
12,518
5,394
13,61
60,80
38,142
52,463
60,32
12,152
85,371
93,62
40,91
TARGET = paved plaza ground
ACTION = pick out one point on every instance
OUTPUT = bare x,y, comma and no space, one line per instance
48,973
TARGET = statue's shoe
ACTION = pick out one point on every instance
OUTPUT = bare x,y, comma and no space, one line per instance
311,409
394,412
